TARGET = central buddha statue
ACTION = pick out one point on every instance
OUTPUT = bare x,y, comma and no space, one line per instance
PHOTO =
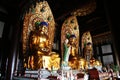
38,44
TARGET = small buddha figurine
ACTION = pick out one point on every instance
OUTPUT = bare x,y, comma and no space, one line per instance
39,44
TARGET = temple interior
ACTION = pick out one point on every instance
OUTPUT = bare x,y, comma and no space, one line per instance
59,40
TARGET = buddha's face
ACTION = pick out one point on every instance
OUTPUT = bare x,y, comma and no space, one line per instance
72,40
88,51
43,29
89,48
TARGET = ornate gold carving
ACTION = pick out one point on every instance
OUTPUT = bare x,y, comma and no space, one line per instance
86,38
86,9
52,61
30,19
70,41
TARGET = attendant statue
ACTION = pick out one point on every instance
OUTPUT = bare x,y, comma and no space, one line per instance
72,42
66,52
38,45
88,51
70,56
88,54
73,58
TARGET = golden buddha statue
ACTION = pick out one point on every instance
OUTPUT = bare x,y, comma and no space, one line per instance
88,51
39,45
70,55
88,55
72,40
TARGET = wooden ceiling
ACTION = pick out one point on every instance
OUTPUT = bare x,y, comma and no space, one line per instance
94,21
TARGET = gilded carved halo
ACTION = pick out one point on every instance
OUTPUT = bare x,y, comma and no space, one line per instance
40,12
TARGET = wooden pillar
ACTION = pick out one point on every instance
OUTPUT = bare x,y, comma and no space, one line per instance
113,16
13,53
